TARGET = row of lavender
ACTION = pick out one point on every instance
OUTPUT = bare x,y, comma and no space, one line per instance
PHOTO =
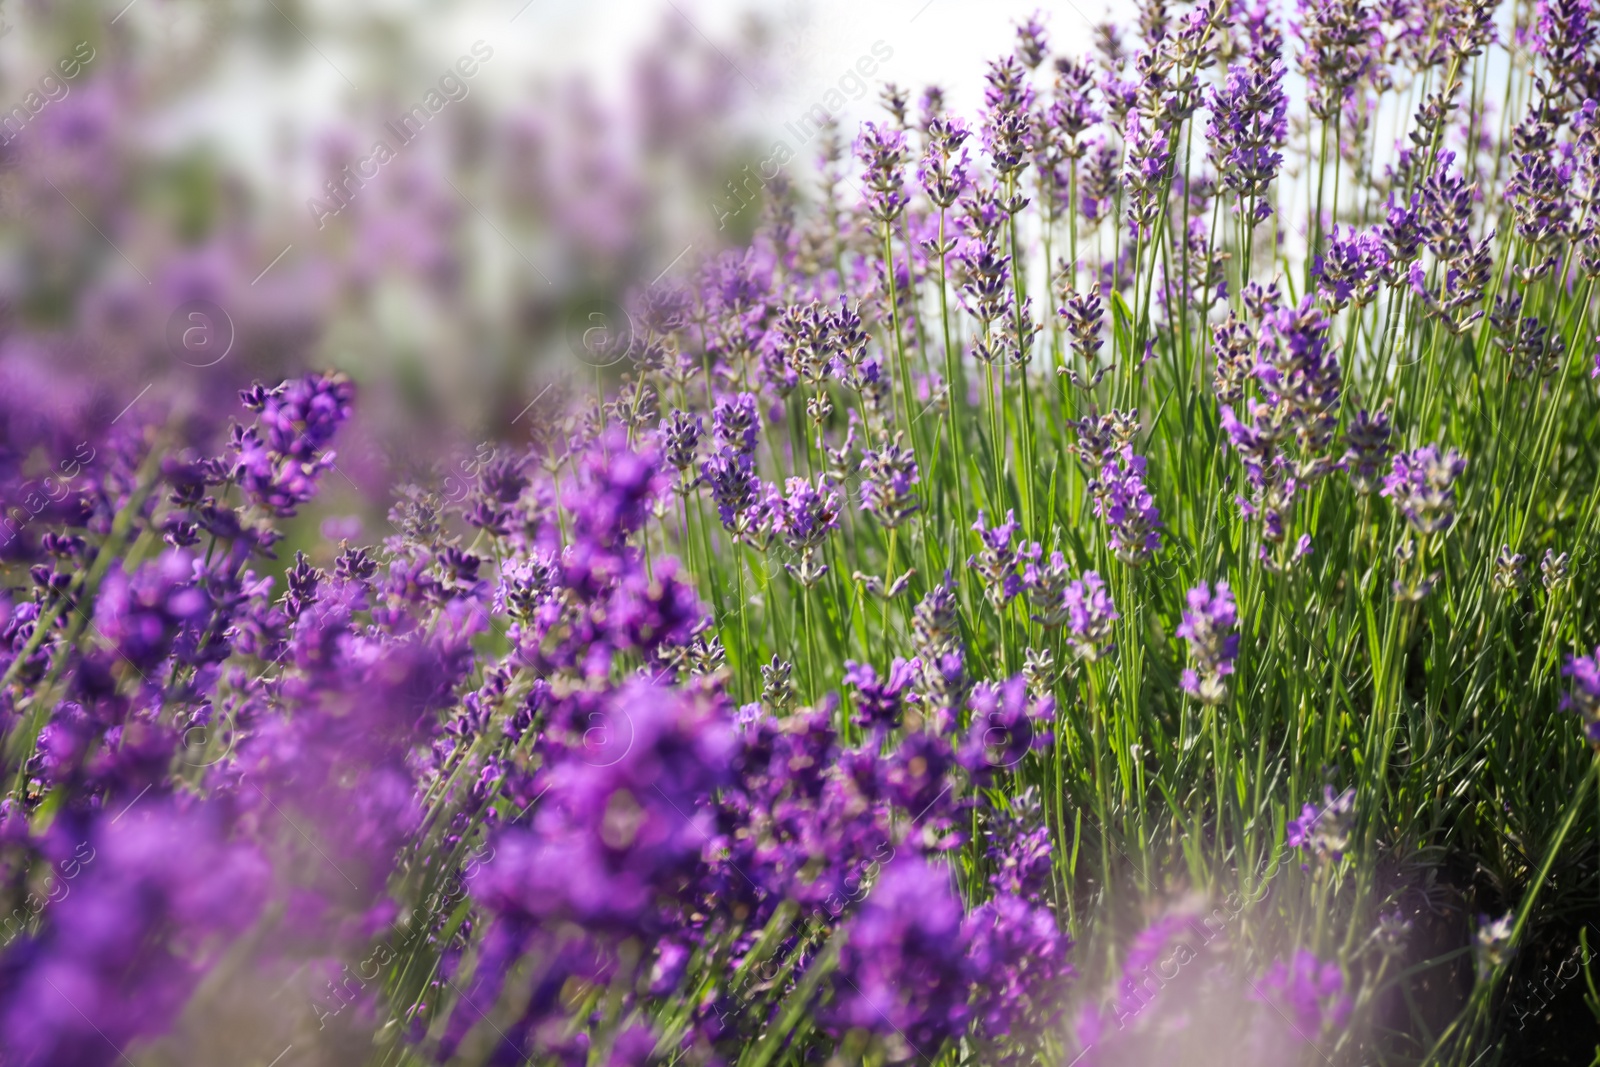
873,772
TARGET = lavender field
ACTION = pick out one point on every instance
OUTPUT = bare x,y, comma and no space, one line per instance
1100,574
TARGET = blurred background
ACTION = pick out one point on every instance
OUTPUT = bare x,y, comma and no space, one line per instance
448,200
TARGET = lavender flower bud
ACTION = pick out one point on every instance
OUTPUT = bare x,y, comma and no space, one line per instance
680,433
1233,353
1554,570
1510,570
736,422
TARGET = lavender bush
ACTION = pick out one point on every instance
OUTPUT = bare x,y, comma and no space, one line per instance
1068,605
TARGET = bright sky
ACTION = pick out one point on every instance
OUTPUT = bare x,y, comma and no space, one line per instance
815,41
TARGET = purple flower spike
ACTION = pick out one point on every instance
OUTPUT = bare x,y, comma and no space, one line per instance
803,515
1308,992
1090,614
1249,122
878,702
1350,270
1422,484
1367,438
1144,172
1208,626
998,561
1585,695
736,422
903,971
1325,831
735,489
1122,499
281,456
882,150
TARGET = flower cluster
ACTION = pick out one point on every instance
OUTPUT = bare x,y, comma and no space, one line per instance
1422,485
1208,626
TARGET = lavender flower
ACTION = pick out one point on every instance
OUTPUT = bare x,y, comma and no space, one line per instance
803,516
1366,441
882,152
1510,570
1248,126
1032,46
1145,172
1402,238
942,174
736,422
735,489
1324,832
1299,375
888,474
903,972
282,455
1020,974
1584,697
681,433
1309,992
1446,210
1491,944
1233,354
1422,484
1208,626
1047,589
1127,506
878,702
997,559
1090,614
1341,42
1007,103
1350,270
936,636
1554,570
1083,315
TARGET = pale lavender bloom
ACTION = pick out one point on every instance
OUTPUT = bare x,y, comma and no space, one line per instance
1145,170
1422,485
882,151
1090,614
1491,946
1209,627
